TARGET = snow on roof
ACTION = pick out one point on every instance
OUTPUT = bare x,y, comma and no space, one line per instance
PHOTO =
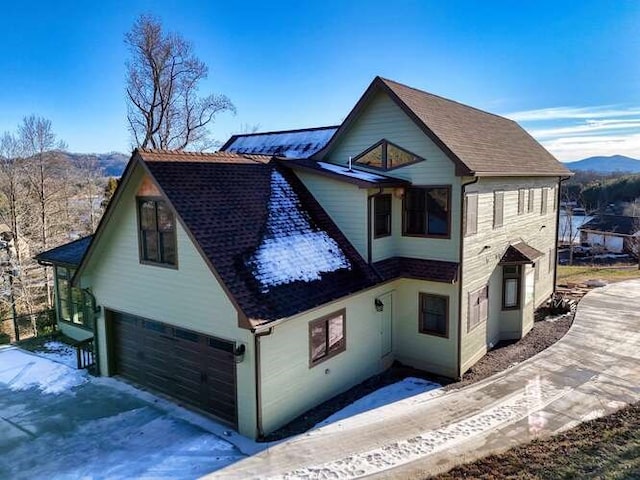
292,249
359,174
289,144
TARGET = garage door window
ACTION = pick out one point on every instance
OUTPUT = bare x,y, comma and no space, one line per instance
157,232
326,337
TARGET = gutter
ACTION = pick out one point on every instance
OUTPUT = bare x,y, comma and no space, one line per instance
258,379
461,263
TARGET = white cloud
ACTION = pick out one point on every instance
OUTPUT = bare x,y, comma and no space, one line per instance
590,127
576,113
573,133
578,147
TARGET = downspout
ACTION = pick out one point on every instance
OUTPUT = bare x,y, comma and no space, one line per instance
460,257
256,349
555,268
369,228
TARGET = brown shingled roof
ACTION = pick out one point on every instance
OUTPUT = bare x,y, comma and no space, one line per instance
420,269
223,202
520,253
478,142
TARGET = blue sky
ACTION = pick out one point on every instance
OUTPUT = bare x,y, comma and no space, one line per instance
568,71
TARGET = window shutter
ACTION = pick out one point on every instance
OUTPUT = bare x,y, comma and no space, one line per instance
498,209
521,193
471,220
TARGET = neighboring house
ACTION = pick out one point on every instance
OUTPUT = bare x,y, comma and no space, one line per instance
255,287
613,233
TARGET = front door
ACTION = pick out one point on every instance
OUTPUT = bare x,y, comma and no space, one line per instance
386,323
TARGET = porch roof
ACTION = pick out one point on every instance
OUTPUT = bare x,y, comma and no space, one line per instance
518,253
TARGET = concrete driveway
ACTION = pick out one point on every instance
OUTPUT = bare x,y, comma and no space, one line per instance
592,371
59,423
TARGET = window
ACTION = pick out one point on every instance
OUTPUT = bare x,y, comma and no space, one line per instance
157,232
386,156
471,214
73,305
427,212
326,337
382,216
434,314
531,200
511,287
498,209
522,193
544,202
478,307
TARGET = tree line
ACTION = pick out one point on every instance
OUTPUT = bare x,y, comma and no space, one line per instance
596,192
45,200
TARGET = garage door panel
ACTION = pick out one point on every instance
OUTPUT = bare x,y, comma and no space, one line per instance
195,368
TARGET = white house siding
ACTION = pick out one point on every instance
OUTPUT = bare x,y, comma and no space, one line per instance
612,243
189,296
346,204
428,352
382,118
483,251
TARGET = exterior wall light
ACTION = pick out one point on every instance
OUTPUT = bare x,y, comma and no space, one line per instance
238,353
379,305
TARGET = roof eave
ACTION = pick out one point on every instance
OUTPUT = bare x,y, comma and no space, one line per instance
390,183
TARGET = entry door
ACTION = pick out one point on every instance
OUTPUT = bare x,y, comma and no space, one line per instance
386,323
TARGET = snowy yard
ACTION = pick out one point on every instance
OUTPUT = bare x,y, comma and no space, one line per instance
58,422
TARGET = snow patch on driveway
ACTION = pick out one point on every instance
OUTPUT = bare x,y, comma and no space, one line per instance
395,392
20,371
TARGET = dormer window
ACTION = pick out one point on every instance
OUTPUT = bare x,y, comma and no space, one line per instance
157,232
386,156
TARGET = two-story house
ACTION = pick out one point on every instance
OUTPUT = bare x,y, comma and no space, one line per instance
259,281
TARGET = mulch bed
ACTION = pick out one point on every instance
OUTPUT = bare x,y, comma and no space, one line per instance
506,354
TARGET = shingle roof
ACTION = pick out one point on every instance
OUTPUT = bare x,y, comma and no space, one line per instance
520,253
403,267
228,208
300,143
479,143
69,254
621,224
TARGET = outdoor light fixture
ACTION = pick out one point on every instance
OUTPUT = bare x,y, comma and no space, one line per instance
238,353
379,305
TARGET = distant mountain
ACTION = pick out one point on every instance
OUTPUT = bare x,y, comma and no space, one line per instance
112,163
614,163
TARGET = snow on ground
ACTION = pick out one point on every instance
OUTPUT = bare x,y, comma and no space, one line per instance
406,388
59,352
92,430
21,371
519,406
359,174
292,249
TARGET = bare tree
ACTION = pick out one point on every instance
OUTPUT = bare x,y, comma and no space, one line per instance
43,165
164,109
10,180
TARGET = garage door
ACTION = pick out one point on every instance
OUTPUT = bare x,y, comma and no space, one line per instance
195,368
